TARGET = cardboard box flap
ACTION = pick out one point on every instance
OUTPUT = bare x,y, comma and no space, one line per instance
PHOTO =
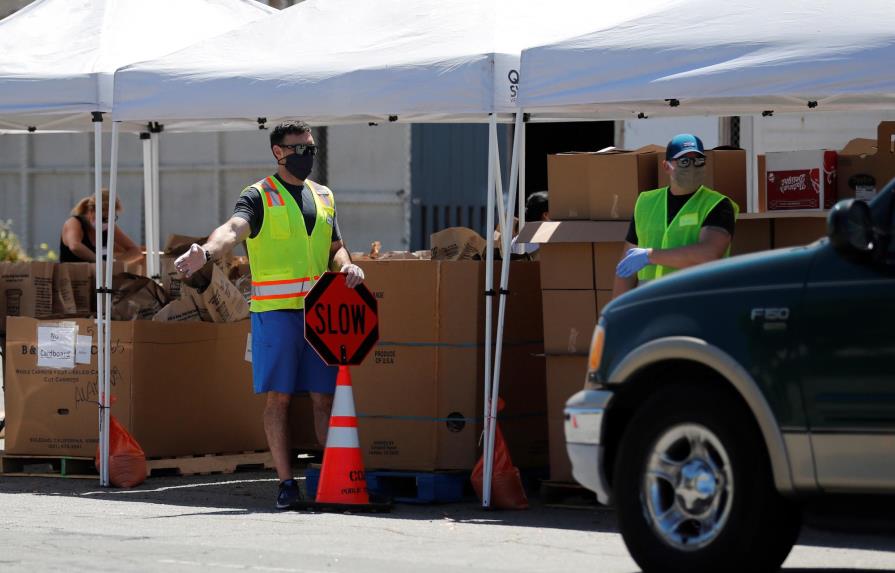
884,134
574,232
651,148
176,245
860,146
612,150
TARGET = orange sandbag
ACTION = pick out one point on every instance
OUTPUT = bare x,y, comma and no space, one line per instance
506,483
127,461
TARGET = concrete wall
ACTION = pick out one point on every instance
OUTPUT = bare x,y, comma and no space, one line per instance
369,170
632,134
201,175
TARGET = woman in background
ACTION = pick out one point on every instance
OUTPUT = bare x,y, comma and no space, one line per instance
78,242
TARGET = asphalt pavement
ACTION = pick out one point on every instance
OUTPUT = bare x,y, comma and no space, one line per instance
227,522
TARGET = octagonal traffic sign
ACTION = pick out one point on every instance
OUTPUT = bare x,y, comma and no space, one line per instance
341,323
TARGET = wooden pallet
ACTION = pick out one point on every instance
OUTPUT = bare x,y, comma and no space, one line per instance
77,467
405,486
209,464
567,495
48,466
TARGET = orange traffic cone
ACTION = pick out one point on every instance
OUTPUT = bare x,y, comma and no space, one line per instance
342,479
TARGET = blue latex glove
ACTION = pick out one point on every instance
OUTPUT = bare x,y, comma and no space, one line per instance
635,259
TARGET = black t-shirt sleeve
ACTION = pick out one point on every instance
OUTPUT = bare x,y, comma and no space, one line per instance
722,217
337,234
250,208
632,233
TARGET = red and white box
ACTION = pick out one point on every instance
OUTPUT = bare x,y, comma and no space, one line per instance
800,180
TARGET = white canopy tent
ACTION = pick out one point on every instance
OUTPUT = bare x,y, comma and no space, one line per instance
697,57
349,61
721,59
57,60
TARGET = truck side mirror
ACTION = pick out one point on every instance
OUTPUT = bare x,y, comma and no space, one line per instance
850,227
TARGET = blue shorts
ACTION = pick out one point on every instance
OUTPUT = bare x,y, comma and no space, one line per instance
282,360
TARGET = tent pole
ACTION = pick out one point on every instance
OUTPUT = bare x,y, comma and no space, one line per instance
155,200
498,186
100,299
521,200
110,262
147,205
506,239
489,294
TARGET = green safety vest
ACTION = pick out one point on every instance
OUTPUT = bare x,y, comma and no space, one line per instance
655,232
284,260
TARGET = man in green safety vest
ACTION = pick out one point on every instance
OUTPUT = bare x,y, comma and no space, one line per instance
679,226
292,236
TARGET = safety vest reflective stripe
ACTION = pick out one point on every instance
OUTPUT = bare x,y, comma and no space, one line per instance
274,199
342,438
282,289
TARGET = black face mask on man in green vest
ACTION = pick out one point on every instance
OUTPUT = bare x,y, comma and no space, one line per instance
299,165
689,178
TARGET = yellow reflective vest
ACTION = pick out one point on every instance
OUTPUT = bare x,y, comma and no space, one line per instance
655,232
284,260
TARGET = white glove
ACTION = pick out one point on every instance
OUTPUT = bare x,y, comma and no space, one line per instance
355,275
191,261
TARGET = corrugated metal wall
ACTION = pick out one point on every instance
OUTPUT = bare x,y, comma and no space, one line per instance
449,174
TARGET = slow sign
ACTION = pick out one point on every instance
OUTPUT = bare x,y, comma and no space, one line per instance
341,323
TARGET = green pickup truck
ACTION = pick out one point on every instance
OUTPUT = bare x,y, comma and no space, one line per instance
719,399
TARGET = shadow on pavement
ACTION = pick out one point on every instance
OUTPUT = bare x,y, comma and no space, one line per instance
255,493
868,526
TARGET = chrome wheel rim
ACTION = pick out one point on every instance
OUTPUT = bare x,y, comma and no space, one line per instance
688,488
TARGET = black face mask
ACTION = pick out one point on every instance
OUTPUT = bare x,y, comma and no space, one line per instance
299,165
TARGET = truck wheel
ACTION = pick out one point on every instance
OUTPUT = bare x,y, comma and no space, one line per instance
693,487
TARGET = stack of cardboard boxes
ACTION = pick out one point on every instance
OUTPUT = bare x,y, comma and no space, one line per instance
419,395
182,383
592,197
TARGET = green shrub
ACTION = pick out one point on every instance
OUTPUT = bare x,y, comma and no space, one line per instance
10,248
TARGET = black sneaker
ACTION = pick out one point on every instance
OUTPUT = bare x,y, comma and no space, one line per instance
289,494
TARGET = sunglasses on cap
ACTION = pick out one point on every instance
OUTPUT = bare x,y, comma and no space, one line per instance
300,148
688,161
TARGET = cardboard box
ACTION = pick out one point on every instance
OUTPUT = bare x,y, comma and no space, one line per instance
26,289
570,185
797,231
725,172
565,248
565,376
606,259
751,236
619,178
171,403
867,165
600,185
569,320
604,297
419,394
800,180
567,266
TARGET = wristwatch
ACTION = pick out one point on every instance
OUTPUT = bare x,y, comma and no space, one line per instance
207,255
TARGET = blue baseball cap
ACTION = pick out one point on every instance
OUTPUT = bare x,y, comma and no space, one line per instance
683,144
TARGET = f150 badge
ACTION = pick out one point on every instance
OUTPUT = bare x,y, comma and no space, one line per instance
771,318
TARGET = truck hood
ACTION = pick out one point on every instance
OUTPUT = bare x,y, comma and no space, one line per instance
754,271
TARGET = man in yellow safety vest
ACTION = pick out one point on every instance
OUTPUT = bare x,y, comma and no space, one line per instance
679,226
292,237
